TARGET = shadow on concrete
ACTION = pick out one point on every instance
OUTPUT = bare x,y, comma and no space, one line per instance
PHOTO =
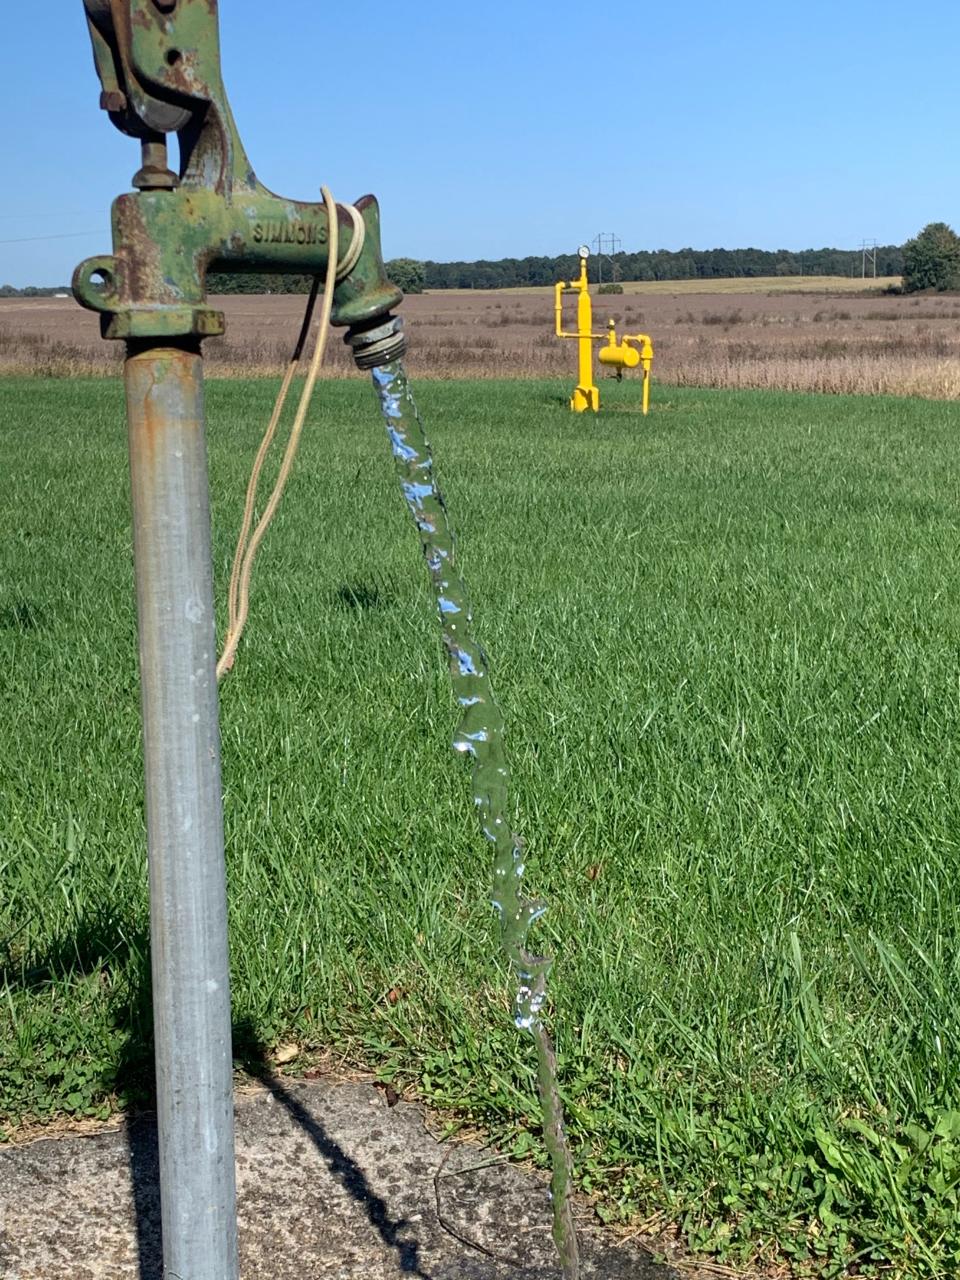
496,1202
345,1170
250,1054
144,1159
105,942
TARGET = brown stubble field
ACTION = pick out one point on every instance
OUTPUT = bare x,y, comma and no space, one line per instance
836,339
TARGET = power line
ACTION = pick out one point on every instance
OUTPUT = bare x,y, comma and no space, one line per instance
64,235
53,213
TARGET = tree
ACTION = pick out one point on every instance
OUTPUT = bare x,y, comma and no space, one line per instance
932,259
407,274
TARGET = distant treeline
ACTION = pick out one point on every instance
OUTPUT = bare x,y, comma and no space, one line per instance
33,291
511,273
259,282
660,264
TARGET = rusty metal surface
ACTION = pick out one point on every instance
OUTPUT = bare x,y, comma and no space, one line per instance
111,24
159,66
154,173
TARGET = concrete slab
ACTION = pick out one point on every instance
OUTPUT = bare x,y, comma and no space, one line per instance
333,1182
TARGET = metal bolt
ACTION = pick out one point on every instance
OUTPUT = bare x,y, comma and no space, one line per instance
154,174
114,101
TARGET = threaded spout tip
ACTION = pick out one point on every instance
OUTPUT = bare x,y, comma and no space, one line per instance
376,342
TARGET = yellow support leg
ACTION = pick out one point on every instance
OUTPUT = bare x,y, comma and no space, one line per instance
586,395
584,398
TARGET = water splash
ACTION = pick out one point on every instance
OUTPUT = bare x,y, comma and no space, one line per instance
480,735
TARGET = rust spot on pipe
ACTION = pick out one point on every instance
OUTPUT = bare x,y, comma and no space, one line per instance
153,420
163,396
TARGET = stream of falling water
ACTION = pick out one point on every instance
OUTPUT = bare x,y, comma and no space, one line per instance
480,735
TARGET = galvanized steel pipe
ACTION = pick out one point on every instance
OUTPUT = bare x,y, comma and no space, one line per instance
188,906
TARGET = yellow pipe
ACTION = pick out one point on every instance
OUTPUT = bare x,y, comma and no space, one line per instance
646,359
646,343
559,290
558,307
585,394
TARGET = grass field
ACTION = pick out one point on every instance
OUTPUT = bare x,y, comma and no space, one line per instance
726,642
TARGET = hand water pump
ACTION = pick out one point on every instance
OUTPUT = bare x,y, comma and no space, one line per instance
159,66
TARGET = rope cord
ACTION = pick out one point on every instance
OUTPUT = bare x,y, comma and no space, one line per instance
248,544
262,454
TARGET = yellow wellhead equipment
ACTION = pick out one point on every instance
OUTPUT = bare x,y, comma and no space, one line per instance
615,355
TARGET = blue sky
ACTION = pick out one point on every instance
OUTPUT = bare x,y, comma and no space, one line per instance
515,127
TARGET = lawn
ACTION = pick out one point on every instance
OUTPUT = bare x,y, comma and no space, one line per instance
727,643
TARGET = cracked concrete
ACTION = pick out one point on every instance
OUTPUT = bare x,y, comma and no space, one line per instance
332,1182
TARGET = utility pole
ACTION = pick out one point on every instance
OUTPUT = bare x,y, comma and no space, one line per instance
868,250
605,244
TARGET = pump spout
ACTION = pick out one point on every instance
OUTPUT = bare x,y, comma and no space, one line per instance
364,299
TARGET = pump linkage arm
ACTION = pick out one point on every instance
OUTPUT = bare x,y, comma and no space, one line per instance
159,67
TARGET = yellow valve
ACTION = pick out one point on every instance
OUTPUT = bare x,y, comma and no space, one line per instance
616,355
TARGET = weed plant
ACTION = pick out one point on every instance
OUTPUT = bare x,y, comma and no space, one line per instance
726,641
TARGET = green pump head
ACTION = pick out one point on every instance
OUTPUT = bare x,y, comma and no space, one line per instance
159,67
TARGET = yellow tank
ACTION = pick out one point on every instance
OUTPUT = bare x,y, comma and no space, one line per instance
619,355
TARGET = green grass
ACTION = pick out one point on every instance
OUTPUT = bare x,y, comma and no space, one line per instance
727,642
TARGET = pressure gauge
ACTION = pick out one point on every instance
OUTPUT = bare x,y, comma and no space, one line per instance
583,251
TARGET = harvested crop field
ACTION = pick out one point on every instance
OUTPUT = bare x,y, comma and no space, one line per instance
836,341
